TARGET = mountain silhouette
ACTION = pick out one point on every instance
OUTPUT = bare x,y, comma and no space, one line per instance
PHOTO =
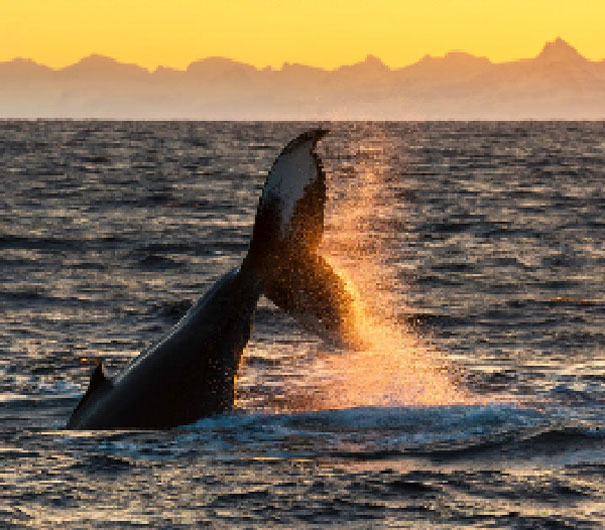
101,68
559,83
559,51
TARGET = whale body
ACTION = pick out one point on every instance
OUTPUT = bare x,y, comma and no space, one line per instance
189,374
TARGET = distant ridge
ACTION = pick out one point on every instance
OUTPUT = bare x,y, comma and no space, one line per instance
560,51
559,83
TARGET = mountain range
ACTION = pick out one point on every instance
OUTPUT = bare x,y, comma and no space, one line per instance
559,83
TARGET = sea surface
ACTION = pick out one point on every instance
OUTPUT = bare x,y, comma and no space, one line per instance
477,254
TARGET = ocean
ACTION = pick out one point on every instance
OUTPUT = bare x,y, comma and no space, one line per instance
476,254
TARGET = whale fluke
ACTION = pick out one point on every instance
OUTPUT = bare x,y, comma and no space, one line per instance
189,373
291,206
288,229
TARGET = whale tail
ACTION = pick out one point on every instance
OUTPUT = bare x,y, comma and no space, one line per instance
287,231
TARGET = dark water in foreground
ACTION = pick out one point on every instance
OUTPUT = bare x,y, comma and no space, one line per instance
486,241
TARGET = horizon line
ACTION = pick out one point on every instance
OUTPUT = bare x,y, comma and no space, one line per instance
368,55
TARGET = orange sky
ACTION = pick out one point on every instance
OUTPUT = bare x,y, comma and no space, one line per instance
324,33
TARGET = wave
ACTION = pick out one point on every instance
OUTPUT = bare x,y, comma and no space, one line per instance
373,432
442,433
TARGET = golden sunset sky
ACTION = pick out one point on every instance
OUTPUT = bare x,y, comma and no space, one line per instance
325,33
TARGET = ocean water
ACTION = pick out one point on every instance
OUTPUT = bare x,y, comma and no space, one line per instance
476,251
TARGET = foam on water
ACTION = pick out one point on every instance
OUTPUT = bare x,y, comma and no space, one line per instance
377,431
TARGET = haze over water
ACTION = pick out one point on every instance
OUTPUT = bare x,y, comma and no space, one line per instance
558,83
476,250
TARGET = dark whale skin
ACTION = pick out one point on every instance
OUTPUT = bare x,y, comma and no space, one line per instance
189,374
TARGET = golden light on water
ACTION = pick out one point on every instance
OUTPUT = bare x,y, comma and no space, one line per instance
395,367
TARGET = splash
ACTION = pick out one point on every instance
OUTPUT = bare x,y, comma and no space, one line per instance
394,367
364,242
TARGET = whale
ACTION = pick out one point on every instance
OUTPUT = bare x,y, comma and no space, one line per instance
189,373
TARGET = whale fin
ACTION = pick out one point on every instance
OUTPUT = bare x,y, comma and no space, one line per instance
99,383
287,231
290,212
